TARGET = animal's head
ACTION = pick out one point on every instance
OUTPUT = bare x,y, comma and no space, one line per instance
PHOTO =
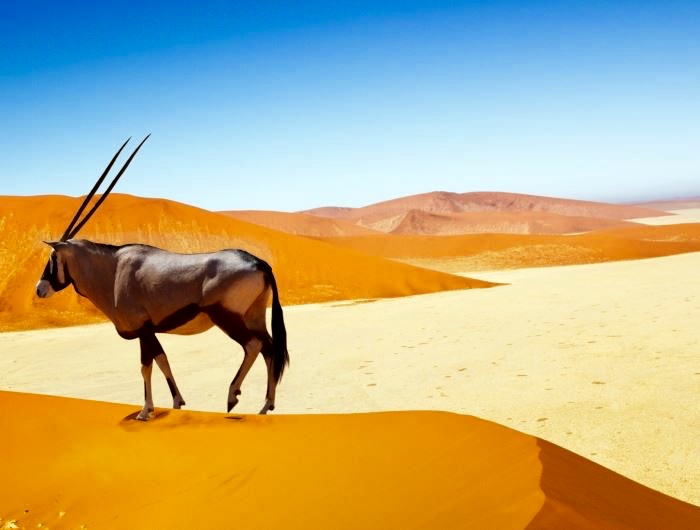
56,275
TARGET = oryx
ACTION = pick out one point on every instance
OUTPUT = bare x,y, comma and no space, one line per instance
145,290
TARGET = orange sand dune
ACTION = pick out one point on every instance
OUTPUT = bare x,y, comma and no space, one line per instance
497,251
387,216
306,270
301,224
80,464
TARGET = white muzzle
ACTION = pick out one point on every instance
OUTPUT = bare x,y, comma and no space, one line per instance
44,289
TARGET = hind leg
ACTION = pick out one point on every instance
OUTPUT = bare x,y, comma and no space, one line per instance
235,327
251,349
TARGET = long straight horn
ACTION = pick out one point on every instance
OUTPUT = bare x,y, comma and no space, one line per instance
89,196
85,219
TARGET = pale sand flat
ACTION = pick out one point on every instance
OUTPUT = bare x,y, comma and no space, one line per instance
601,359
686,215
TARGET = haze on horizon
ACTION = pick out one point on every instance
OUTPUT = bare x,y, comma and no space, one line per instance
289,106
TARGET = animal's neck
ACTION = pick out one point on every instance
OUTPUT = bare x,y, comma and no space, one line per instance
92,268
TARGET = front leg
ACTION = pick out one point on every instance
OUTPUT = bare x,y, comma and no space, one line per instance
147,411
150,347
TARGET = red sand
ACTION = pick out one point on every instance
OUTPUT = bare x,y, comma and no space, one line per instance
72,463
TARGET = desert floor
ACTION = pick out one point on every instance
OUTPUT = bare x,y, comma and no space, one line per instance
601,359
685,215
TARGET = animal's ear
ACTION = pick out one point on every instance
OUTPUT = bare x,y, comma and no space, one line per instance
53,244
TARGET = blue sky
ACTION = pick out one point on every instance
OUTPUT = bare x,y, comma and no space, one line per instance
287,106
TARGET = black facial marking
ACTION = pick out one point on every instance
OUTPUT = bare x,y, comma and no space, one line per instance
150,348
51,274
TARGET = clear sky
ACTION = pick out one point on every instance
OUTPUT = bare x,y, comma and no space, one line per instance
292,105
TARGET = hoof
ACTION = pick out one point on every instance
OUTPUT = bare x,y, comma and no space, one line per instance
267,408
144,415
232,399
179,403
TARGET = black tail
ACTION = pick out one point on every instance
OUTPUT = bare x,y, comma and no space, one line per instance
280,357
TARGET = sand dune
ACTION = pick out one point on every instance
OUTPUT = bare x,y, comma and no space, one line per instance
498,251
300,223
307,270
440,213
102,469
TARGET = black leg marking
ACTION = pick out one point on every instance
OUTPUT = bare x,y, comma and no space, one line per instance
150,348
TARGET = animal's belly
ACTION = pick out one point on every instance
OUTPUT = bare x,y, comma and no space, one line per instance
198,324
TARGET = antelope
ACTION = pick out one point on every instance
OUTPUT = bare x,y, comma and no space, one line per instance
145,290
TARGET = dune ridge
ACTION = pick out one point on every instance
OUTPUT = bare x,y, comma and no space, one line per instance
105,470
300,224
307,270
501,251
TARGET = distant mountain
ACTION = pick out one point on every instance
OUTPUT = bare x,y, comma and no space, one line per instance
442,212
418,222
672,204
